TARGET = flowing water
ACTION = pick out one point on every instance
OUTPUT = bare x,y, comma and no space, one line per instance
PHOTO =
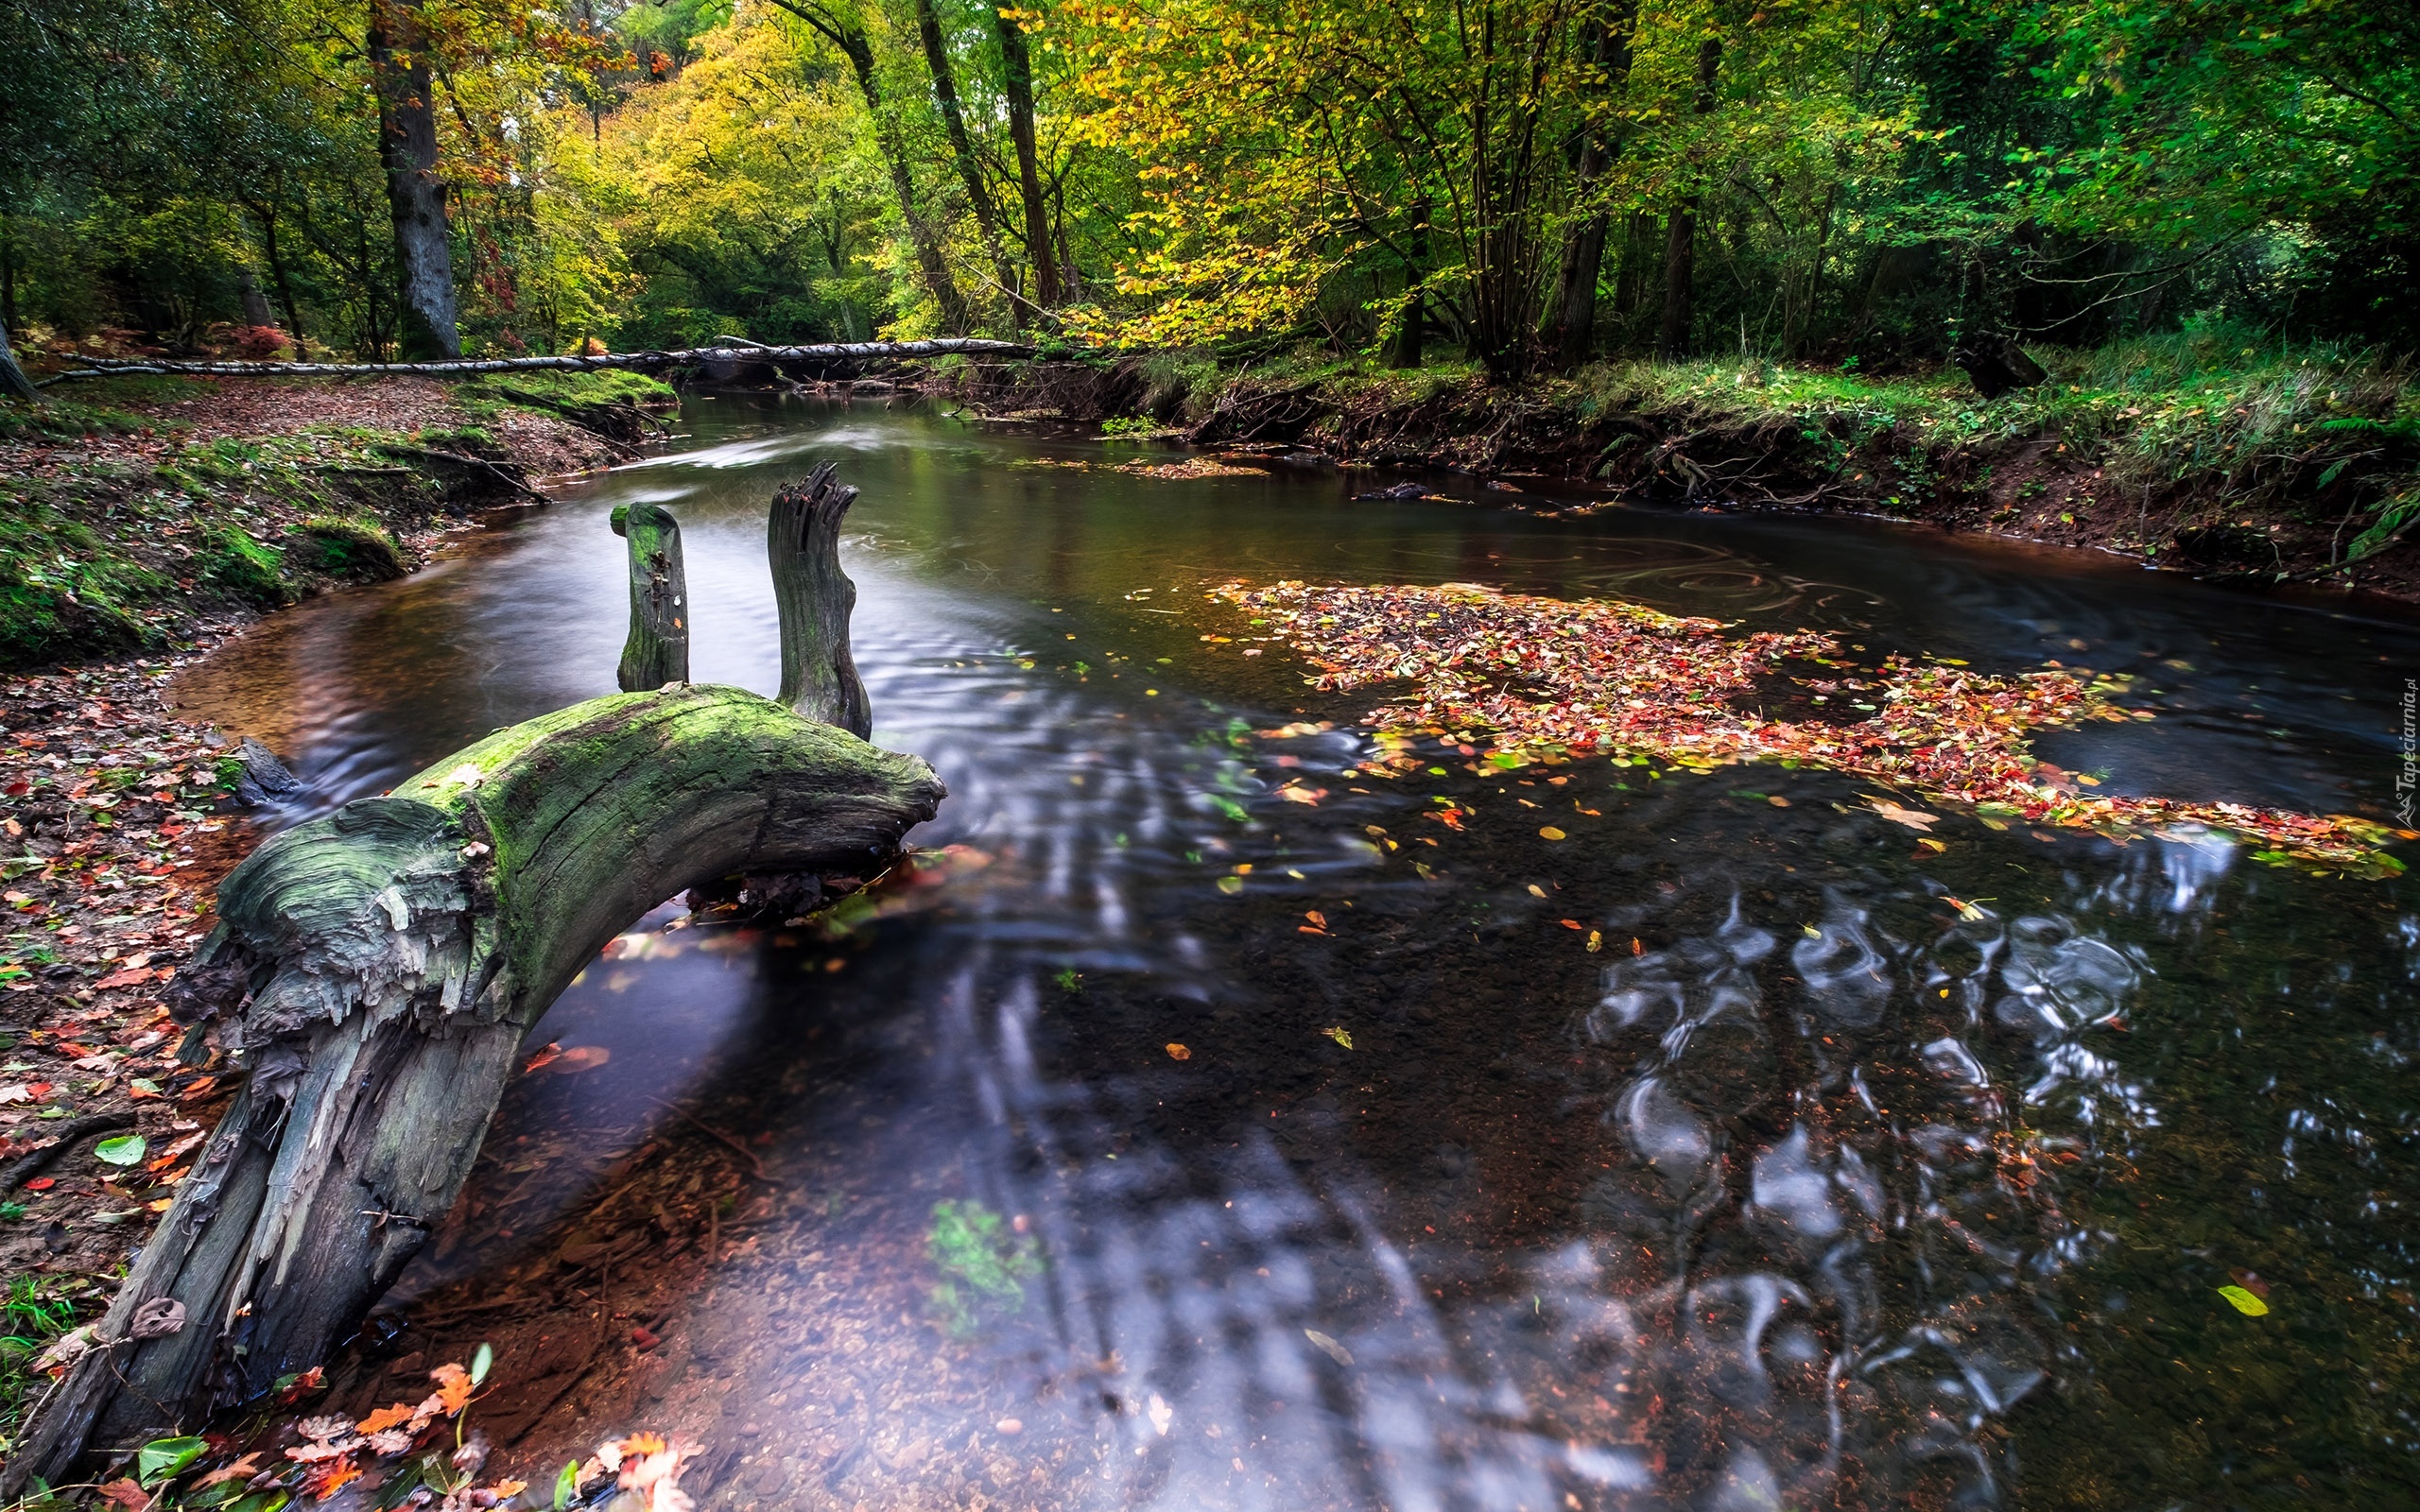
1807,1188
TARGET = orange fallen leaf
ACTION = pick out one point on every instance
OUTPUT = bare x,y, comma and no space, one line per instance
1177,1052
383,1418
124,1492
579,1058
1569,924
552,1052
330,1478
243,1470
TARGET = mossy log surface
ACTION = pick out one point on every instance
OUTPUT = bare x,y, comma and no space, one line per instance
378,970
815,599
657,651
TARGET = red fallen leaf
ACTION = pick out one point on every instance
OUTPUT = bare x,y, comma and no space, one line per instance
200,1088
42,1183
543,1058
644,1339
305,1384
1569,924
39,1089
70,1047
20,789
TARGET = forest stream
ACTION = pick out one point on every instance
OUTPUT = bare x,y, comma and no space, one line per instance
1166,1138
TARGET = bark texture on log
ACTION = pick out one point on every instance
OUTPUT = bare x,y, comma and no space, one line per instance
380,967
641,361
815,597
657,651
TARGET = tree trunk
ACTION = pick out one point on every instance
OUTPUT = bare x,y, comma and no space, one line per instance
815,598
1407,349
407,149
978,195
284,286
1680,243
13,380
657,651
1574,314
383,964
1017,66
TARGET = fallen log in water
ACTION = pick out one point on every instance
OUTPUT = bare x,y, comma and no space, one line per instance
375,972
467,368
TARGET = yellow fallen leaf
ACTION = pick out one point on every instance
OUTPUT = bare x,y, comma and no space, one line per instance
1338,1035
2244,1301
1552,833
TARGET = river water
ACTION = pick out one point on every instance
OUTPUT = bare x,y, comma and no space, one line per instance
1807,1188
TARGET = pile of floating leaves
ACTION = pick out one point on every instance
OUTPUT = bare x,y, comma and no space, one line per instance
1191,467
1601,675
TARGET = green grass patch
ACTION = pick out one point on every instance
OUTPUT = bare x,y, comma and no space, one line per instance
235,564
63,591
982,1263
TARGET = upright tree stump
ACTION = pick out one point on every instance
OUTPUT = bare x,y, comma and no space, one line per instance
657,651
1996,365
815,597
378,968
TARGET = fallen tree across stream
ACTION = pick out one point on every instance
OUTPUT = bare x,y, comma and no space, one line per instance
467,367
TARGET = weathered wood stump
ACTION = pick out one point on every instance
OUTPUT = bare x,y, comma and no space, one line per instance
1996,365
657,651
378,968
816,598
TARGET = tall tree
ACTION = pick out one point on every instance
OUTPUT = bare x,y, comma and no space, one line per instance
1680,244
970,171
846,32
1572,314
399,64
1016,71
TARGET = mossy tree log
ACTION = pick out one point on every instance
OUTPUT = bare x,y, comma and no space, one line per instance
657,651
377,971
816,598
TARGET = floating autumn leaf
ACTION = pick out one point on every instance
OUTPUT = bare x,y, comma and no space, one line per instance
548,1055
1328,1346
1337,1033
2244,1302
1599,675
1231,885
1912,818
576,1059
1551,833
1178,1052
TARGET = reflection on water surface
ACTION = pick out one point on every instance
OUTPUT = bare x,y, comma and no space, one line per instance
1840,1172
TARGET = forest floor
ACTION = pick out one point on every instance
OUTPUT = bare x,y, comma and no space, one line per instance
2196,451
140,522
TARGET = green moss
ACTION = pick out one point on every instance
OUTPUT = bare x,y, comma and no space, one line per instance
354,549
242,568
62,592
